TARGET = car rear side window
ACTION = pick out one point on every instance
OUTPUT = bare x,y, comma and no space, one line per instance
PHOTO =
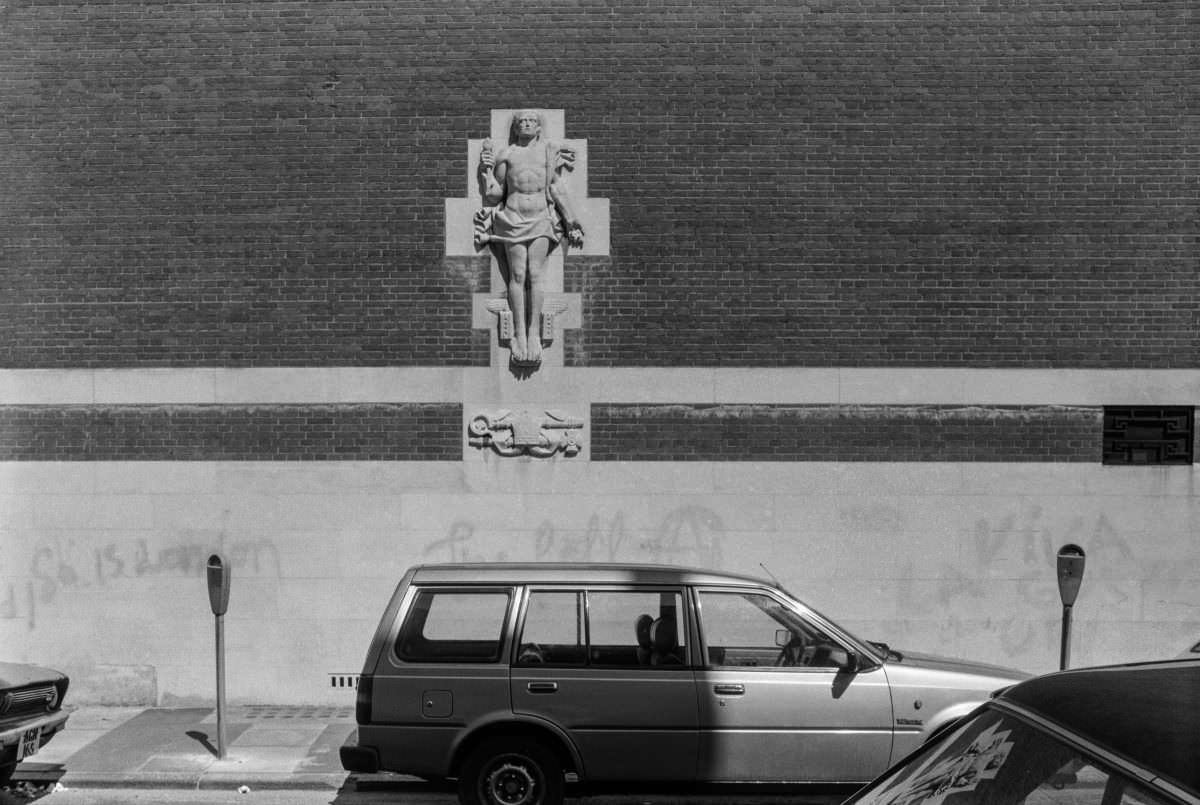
627,628
454,626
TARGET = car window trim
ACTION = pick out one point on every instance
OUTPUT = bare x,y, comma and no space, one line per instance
682,590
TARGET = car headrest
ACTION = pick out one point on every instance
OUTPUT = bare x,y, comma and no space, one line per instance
662,633
642,629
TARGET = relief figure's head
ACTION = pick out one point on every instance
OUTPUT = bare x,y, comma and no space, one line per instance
526,126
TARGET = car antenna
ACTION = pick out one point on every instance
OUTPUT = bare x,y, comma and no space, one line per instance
769,573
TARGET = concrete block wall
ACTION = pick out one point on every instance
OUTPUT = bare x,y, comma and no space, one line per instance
104,561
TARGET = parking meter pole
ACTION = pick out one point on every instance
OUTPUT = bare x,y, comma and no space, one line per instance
1064,654
1070,576
218,599
220,686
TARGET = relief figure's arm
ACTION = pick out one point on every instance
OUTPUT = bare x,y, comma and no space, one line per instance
492,170
560,193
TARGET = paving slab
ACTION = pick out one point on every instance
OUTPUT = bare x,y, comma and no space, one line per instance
265,747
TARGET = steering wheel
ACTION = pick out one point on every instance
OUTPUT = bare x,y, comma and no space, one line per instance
531,654
791,654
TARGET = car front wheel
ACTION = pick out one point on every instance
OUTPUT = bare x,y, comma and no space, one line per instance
511,771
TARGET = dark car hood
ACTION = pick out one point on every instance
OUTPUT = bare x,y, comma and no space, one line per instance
919,660
15,674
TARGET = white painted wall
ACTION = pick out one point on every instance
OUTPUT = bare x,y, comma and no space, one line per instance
102,564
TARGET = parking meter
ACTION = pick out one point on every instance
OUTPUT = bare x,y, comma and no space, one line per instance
218,584
1070,573
218,599
1070,576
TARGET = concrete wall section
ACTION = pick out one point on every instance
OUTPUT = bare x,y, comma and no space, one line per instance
102,569
339,385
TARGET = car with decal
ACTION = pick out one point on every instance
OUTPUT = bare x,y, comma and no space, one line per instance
1116,735
31,712
508,677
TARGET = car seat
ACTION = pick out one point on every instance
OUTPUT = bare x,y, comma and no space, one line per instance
645,649
665,643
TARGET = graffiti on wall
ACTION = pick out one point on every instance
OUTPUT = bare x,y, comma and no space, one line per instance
1016,555
690,535
60,565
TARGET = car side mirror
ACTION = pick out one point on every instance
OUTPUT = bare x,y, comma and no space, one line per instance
846,661
783,637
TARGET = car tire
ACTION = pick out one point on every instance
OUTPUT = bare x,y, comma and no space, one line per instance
511,771
6,772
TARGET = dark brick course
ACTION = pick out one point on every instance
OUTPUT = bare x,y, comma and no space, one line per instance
830,182
362,432
845,433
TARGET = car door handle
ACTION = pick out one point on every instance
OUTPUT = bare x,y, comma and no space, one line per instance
542,687
735,689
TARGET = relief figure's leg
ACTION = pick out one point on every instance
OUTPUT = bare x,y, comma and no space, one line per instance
518,257
539,252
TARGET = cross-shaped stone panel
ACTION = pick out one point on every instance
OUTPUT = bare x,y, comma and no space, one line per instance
564,309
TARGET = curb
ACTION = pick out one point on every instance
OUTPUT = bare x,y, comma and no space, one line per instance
229,781
193,781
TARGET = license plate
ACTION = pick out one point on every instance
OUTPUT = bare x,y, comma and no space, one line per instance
31,742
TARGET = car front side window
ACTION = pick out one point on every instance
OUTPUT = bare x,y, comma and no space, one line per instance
748,629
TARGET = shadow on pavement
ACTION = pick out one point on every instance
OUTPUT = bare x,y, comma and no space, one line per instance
422,790
202,739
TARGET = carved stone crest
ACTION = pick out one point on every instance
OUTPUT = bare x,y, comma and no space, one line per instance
515,433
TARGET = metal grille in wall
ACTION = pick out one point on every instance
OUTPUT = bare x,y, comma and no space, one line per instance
1148,434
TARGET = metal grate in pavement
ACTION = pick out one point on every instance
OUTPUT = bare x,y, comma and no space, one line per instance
256,712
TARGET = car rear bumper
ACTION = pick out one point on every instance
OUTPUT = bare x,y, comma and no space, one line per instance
364,759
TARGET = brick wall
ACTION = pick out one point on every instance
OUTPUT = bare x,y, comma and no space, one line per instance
823,183
845,433
366,432
414,432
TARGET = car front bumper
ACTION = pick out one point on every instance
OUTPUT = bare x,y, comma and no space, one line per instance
49,724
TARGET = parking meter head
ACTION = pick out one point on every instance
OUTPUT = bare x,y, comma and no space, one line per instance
218,584
1070,572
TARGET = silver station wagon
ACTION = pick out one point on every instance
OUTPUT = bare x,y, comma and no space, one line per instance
510,677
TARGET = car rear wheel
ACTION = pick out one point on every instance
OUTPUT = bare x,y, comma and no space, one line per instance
511,771
6,772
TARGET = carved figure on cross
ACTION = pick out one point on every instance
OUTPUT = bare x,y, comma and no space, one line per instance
528,212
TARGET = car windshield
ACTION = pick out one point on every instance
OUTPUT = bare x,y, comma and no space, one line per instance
996,759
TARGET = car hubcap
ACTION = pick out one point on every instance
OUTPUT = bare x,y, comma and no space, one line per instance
510,784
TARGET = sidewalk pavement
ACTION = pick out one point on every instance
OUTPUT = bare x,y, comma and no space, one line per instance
265,747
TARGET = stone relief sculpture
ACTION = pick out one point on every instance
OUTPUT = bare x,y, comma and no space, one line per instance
525,433
527,214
